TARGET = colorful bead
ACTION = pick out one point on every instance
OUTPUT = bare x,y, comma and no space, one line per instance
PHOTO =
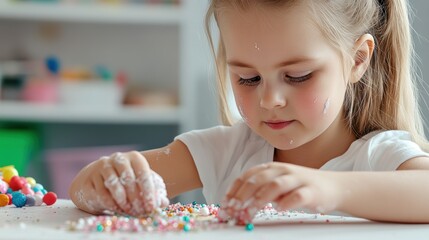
3,186
30,200
38,199
4,200
19,199
15,183
8,172
31,181
249,227
50,198
23,191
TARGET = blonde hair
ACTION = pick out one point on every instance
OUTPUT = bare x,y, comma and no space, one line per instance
384,98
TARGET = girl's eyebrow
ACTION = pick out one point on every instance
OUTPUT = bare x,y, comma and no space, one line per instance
236,63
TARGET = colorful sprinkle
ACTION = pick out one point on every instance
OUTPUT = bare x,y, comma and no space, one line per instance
249,227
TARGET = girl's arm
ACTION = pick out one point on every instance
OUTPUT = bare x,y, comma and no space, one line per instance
395,196
400,196
176,166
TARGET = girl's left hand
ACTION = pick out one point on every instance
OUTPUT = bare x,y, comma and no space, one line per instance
288,186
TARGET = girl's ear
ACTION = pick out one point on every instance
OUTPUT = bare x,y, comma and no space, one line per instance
363,49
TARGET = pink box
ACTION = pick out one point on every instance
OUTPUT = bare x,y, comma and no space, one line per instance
65,163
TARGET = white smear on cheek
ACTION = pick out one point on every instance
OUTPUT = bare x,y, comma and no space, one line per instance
256,47
326,106
291,142
315,100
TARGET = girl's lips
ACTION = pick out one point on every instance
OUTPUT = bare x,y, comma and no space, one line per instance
278,125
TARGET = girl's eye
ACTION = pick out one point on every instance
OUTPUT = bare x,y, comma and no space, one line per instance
297,79
249,81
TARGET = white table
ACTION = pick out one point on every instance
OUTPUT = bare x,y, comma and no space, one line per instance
48,222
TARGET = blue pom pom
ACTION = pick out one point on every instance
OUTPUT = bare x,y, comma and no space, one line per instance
36,189
18,199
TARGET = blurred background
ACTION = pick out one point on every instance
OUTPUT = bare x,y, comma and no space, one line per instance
80,79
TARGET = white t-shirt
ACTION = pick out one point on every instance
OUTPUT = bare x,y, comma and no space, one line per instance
223,153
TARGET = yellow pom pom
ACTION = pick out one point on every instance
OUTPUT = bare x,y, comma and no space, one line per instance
31,181
8,173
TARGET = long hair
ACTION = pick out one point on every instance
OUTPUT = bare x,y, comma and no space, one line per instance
385,97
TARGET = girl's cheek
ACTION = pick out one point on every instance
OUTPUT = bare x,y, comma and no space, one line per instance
313,105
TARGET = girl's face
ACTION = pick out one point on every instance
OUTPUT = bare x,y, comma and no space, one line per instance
288,82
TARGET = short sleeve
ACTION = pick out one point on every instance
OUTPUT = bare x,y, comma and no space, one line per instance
389,149
213,151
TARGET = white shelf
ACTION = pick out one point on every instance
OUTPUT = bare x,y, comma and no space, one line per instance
134,14
57,113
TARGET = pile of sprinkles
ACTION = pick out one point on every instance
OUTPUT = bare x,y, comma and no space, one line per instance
22,191
176,217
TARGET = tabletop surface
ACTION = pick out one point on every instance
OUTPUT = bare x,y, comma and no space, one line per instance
49,222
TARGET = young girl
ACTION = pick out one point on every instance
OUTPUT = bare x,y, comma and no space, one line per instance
329,120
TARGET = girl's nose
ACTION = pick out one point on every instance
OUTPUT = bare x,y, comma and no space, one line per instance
272,97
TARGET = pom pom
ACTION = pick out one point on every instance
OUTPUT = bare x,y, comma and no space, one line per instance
38,199
15,183
30,201
3,186
4,200
19,199
50,198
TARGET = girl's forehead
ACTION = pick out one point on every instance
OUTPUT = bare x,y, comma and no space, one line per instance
290,30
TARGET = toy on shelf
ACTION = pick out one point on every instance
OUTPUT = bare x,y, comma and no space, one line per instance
22,191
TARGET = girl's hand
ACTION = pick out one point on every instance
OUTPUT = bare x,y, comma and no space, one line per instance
121,183
286,185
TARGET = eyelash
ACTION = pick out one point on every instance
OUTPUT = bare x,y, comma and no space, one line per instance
292,80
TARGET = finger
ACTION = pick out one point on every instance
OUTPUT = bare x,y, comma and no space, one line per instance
240,181
300,197
246,193
144,180
161,190
112,184
127,178
102,199
275,188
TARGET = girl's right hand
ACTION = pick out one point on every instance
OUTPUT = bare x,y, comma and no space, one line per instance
121,183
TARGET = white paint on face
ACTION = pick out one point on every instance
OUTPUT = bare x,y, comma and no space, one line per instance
326,106
291,142
315,100
257,47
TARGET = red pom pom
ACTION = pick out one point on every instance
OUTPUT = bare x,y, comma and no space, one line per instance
16,183
50,198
